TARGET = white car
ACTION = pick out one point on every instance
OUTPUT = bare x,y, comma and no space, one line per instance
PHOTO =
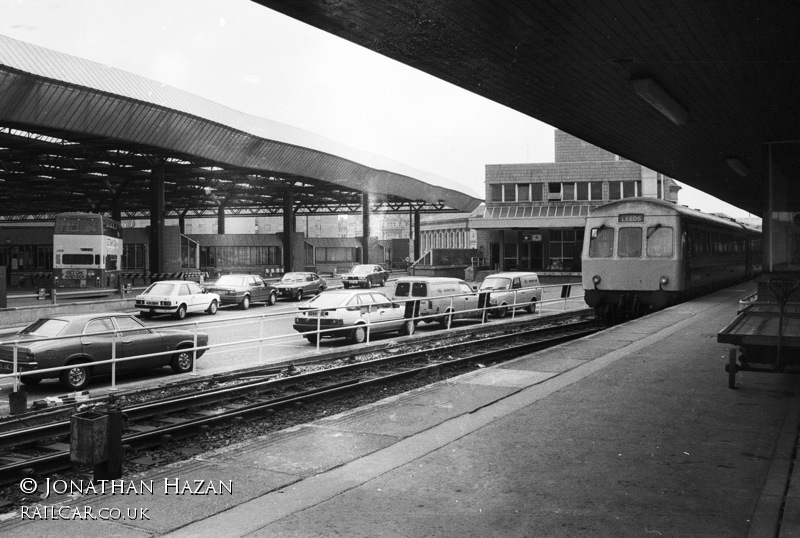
176,297
349,313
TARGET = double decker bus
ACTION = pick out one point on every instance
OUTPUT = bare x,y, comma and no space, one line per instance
87,251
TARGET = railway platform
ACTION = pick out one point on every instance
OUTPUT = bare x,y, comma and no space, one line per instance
629,432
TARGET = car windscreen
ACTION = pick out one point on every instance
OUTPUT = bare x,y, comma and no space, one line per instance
293,277
328,300
230,280
45,327
494,283
362,269
159,288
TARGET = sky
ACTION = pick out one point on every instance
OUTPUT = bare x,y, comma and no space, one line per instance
244,56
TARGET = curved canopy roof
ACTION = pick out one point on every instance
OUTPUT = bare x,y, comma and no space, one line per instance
727,72
78,136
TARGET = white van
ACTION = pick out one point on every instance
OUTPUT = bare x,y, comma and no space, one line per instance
510,290
441,298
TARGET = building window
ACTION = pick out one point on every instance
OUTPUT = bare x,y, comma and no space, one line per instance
132,257
562,250
496,192
523,192
568,194
554,191
510,192
536,192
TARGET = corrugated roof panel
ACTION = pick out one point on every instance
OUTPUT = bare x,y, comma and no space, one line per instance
105,114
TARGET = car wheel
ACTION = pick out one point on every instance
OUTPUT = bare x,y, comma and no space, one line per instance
312,338
501,312
447,320
181,312
30,381
320,290
368,283
182,361
76,377
531,308
346,286
272,299
212,308
358,335
245,304
298,296
408,327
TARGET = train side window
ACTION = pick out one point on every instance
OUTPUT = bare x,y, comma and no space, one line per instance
659,242
601,244
630,243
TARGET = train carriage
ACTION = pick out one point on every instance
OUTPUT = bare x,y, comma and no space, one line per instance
643,254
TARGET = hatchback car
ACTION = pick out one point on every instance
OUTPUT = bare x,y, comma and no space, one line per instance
349,313
365,276
297,285
243,290
84,339
176,297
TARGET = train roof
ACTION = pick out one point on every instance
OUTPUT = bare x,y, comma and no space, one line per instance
654,205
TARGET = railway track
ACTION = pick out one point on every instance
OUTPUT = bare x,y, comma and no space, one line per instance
44,449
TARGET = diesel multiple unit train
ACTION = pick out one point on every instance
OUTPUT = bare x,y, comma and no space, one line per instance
645,254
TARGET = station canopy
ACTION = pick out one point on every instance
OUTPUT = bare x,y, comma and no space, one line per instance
80,136
695,90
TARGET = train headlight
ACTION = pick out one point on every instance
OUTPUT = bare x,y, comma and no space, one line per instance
663,281
596,279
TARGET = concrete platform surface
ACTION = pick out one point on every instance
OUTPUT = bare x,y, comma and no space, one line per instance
630,432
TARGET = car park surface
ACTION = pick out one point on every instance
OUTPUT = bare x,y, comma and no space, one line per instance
342,313
79,340
243,290
176,297
296,285
365,276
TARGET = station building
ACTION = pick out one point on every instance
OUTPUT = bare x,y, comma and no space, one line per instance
535,213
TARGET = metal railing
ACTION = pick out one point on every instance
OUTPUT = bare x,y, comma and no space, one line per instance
445,316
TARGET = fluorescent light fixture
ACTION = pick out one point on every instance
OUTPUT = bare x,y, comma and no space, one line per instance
660,100
738,166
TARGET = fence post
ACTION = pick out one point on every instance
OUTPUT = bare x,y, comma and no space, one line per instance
514,306
261,338
369,319
194,351
113,362
319,322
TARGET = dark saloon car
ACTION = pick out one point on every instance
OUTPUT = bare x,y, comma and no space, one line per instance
83,339
364,276
243,290
298,285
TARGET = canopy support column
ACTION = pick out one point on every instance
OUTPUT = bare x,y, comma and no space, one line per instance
156,246
288,229
365,227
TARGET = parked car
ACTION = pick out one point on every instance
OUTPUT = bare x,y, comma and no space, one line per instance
365,276
94,335
296,285
349,312
511,290
437,299
176,297
243,290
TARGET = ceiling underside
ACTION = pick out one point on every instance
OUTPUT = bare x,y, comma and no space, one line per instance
77,136
733,66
